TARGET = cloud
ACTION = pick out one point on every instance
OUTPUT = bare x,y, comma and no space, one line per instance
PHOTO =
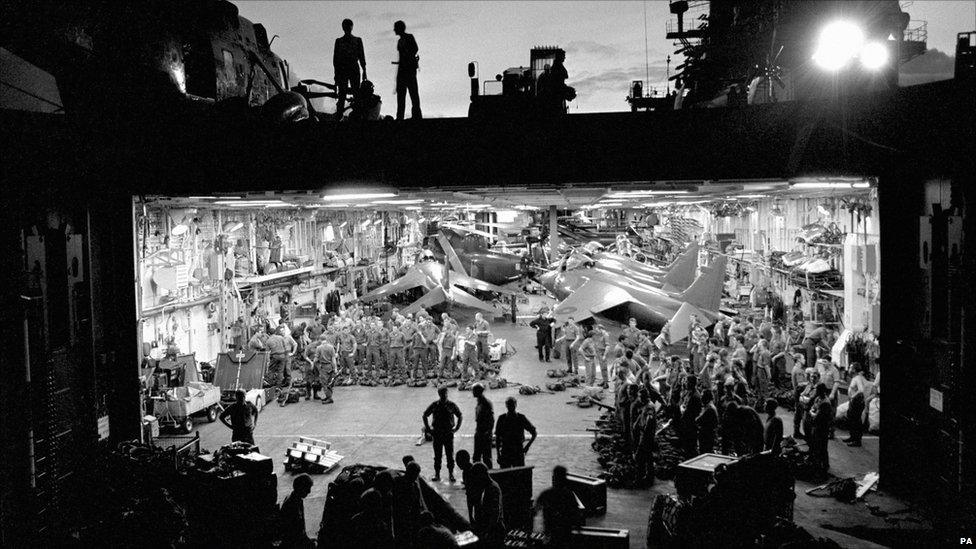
412,27
931,66
589,47
390,16
614,79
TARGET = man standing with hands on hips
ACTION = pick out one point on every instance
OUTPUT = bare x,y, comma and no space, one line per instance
543,335
444,411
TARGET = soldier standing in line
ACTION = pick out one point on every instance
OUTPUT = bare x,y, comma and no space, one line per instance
325,357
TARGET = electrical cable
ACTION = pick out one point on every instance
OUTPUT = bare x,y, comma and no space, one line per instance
646,64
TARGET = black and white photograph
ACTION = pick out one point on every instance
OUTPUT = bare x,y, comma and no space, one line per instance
485,274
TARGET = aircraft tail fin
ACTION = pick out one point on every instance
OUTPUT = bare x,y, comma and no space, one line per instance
681,273
452,256
706,291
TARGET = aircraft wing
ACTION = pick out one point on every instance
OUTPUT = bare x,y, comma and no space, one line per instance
461,297
431,298
476,284
591,298
413,279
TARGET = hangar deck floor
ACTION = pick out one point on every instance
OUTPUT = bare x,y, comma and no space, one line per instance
379,425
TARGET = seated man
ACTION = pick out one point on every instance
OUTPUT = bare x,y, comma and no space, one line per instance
365,104
291,517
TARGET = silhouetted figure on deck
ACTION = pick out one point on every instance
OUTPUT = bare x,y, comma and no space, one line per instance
406,80
347,57
366,104
552,86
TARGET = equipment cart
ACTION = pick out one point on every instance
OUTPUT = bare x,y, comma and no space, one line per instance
180,396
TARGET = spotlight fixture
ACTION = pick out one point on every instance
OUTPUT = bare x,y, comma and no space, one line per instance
838,44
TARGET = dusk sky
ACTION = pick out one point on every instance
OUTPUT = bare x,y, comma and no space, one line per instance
604,42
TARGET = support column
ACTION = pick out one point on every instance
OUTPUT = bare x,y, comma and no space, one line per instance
554,239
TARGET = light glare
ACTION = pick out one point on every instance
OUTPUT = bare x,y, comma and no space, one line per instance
839,42
874,55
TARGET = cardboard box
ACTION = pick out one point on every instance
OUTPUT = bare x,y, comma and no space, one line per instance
694,476
591,491
254,463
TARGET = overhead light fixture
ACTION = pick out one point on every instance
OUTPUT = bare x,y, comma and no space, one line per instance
414,208
638,194
343,224
357,196
251,203
830,185
213,198
400,201
526,207
232,226
751,196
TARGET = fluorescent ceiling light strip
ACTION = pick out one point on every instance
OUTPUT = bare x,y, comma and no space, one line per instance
830,185
249,202
356,196
635,194
400,201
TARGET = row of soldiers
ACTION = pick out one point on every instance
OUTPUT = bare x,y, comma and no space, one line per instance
363,348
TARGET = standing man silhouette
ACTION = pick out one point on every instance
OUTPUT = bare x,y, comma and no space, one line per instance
347,57
406,80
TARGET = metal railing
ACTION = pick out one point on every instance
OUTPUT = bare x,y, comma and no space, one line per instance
916,31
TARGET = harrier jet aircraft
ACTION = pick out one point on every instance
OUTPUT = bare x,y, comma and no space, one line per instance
590,291
673,278
470,255
439,285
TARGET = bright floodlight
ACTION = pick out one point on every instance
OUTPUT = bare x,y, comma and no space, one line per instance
839,42
874,56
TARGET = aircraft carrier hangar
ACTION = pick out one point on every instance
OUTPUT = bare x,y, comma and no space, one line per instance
192,252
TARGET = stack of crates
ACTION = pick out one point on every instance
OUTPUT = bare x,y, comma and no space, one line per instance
312,455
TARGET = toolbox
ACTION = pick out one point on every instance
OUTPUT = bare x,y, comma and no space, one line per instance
591,491
589,537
